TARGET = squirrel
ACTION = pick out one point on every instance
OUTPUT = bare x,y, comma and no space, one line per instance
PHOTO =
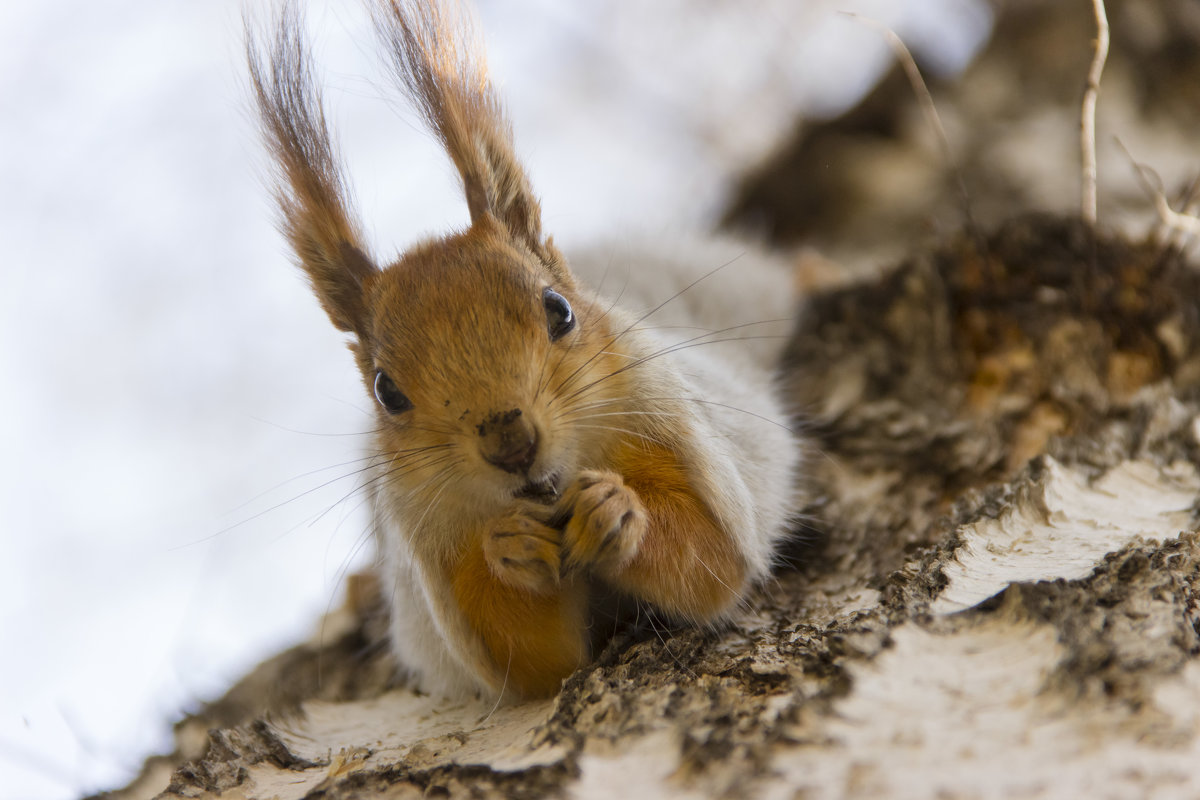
538,445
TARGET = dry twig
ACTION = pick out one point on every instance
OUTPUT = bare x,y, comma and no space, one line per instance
928,108
1088,115
1177,225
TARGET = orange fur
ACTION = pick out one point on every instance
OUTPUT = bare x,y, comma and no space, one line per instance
686,564
535,640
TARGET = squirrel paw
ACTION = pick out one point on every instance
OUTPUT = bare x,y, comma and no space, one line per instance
606,525
522,551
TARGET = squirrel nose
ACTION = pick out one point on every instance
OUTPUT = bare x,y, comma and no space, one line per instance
509,441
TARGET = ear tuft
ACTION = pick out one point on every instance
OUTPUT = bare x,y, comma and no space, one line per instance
438,62
313,199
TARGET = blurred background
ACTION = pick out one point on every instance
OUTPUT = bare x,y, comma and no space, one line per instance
179,423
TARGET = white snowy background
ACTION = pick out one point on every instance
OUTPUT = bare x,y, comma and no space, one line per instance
178,420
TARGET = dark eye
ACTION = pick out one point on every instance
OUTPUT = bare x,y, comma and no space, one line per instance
391,398
559,317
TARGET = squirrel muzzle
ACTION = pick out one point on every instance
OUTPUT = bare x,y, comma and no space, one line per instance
508,441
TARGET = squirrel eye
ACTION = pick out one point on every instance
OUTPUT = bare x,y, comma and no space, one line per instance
559,317
392,399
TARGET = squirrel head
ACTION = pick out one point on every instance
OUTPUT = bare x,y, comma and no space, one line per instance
479,347
479,355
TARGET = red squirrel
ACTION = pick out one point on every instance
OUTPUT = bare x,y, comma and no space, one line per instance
537,443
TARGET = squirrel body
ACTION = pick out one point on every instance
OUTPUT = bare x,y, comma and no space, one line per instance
540,443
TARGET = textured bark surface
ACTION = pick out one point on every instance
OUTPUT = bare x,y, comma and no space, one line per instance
996,591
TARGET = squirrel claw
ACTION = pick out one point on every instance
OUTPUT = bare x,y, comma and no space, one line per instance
606,525
524,552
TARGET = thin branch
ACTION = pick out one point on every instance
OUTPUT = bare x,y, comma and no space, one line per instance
1176,220
1088,116
1177,224
1191,210
928,108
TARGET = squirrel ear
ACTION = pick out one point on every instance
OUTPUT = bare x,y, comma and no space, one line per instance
313,199
439,64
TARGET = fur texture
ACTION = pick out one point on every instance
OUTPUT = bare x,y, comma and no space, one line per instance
537,441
